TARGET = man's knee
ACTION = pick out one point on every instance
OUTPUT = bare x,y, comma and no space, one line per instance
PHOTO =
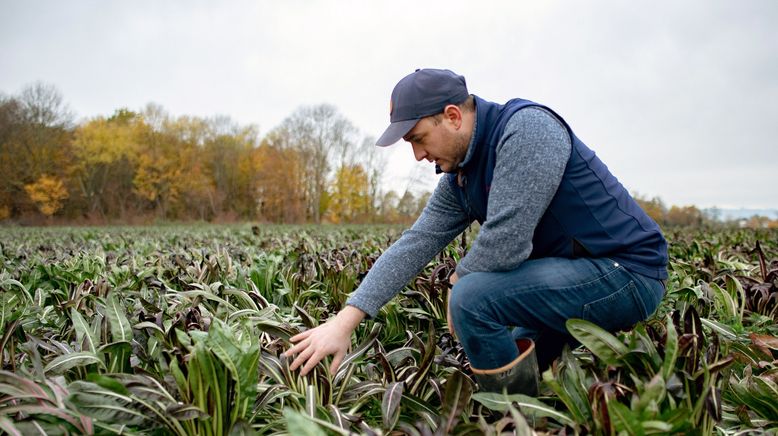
464,299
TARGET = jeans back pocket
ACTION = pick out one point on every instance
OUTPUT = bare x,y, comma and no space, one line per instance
617,311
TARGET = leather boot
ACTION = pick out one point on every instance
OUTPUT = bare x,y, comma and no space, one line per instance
518,377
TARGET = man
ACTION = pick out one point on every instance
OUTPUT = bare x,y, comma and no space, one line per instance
560,237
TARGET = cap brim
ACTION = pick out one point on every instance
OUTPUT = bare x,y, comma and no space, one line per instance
395,132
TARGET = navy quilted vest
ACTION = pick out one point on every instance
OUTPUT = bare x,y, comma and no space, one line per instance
591,214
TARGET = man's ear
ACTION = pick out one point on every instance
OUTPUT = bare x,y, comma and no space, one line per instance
453,114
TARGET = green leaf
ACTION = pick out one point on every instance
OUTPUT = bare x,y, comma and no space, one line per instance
72,360
338,416
148,325
184,412
390,403
105,406
180,379
207,296
108,383
84,333
671,349
13,384
657,427
603,344
725,300
8,426
521,427
737,292
455,398
121,330
309,321
6,282
118,356
420,377
299,425
763,393
528,405
46,410
358,351
722,329
311,398
240,358
652,392
623,419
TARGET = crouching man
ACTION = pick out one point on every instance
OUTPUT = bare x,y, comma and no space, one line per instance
560,237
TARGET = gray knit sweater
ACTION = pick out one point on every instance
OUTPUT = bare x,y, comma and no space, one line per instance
531,158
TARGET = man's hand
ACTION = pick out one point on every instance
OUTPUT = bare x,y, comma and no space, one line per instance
452,279
332,337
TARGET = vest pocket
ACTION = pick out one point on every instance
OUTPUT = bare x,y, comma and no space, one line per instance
617,311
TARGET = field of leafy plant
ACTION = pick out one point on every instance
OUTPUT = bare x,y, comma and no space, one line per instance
180,330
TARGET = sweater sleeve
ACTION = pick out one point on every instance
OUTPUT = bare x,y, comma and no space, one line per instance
439,223
531,159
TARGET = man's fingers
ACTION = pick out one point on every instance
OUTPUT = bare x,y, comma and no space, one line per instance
302,357
300,336
312,362
336,361
297,348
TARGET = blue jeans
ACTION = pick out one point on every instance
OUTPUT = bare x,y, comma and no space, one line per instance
490,309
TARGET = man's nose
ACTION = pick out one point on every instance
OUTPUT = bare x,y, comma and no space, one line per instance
418,152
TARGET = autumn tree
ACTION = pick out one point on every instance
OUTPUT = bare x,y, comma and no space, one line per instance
35,138
387,208
321,136
684,216
653,207
168,174
349,198
106,155
374,164
48,194
159,172
279,180
226,159
760,222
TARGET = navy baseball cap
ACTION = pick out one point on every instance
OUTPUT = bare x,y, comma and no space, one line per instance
420,94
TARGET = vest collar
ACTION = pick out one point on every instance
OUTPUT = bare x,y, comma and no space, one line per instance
472,145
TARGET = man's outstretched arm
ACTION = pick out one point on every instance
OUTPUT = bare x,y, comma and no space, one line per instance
440,222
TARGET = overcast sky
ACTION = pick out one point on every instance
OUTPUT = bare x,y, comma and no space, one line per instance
679,98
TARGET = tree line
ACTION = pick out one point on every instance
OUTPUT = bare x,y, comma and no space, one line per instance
691,216
146,165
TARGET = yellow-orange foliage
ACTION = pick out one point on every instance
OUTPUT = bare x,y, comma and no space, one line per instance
349,198
47,193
